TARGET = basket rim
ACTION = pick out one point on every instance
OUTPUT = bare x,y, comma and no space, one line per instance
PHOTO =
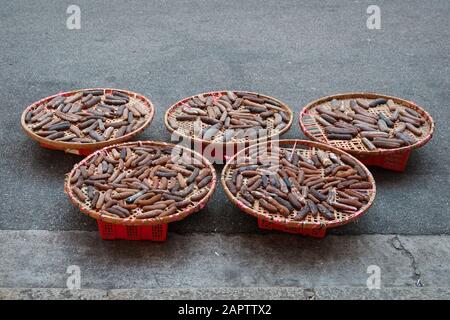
141,222
304,224
370,95
224,144
63,145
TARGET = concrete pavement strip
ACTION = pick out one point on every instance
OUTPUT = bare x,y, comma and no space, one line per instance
34,264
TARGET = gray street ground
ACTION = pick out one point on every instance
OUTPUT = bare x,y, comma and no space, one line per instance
296,51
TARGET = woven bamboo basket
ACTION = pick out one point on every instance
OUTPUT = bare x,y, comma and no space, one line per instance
87,148
185,128
130,221
394,159
310,225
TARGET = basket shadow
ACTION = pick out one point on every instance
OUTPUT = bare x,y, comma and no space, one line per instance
51,163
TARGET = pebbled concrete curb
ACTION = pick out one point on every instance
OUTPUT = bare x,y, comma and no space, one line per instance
322,293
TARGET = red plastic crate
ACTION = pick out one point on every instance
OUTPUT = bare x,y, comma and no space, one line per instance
319,232
110,231
394,161
81,152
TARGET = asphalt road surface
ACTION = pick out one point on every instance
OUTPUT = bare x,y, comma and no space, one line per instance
296,51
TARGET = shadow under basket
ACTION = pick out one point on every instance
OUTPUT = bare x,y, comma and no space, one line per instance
80,152
319,232
111,231
394,161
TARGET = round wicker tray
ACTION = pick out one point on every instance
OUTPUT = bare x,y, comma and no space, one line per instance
306,148
130,221
185,127
315,131
135,98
